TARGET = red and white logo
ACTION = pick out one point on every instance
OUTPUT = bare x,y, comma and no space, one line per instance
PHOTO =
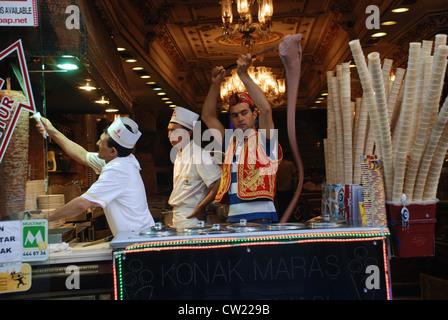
7,103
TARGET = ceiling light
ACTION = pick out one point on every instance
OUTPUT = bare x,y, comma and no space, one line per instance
121,49
324,94
317,101
111,110
130,60
166,98
102,101
378,34
161,93
145,77
67,56
173,106
150,82
137,68
273,88
388,23
245,26
68,66
87,87
400,10
168,102
157,89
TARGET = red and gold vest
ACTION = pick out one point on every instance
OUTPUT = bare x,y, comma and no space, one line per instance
256,172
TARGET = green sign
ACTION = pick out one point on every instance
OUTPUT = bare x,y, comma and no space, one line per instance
35,240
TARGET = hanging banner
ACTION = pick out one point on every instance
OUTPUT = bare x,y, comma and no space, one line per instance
18,13
11,105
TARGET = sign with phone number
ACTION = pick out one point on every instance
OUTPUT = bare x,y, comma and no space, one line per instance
23,240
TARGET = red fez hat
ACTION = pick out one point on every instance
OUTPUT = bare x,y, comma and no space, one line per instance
240,97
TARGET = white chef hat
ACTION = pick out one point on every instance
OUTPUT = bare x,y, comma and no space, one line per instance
121,135
184,117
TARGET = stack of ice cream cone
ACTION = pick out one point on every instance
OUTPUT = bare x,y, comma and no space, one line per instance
401,120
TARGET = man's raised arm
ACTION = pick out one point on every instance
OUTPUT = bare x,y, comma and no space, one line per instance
209,109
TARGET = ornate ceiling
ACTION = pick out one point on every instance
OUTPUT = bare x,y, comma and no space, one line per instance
178,42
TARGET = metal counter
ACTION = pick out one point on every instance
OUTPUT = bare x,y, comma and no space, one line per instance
303,263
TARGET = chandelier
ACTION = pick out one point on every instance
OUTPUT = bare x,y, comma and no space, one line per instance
273,88
245,26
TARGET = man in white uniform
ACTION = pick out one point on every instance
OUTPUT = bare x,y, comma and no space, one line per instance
119,189
196,176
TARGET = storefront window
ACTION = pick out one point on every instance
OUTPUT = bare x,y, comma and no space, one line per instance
23,150
44,63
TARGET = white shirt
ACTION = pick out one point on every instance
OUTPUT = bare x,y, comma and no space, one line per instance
193,174
120,191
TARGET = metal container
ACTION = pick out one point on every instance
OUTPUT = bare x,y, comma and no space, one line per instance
216,229
244,226
287,226
59,235
159,230
196,229
328,224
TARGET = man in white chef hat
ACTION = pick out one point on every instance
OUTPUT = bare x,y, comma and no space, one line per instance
119,189
196,176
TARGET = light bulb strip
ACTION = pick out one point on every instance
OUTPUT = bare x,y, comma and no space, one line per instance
239,244
282,237
386,272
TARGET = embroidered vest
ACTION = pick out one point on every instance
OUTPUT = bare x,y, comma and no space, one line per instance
256,172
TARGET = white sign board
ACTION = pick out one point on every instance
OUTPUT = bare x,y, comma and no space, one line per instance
10,241
23,240
18,13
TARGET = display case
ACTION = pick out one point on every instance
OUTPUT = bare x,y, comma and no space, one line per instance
278,262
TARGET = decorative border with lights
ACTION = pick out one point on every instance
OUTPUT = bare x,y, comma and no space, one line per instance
264,238
226,242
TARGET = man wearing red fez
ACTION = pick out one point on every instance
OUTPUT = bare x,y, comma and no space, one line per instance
252,154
